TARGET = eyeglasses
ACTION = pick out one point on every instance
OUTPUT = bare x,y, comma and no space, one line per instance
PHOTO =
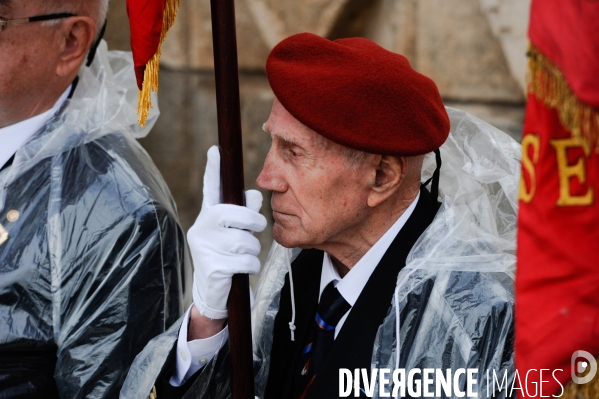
4,22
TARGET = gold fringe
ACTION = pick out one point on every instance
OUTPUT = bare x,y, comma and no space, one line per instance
590,390
150,83
549,85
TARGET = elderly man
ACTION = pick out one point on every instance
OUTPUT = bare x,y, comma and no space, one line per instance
350,126
90,249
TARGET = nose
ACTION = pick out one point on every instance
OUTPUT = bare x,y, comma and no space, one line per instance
271,177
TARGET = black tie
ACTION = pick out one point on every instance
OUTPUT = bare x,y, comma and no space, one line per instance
331,308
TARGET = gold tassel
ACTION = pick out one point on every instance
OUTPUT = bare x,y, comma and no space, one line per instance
590,390
549,85
153,394
150,83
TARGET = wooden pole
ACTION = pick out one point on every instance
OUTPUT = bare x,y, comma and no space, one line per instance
229,138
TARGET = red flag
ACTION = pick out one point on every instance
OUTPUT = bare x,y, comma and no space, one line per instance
566,32
149,20
557,282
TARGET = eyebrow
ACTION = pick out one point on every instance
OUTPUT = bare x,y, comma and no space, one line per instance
283,137
310,157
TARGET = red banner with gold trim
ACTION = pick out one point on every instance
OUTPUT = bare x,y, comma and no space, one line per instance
149,21
557,281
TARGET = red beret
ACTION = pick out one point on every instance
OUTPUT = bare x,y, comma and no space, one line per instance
357,94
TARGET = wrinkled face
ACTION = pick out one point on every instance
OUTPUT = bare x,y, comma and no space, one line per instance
316,198
28,59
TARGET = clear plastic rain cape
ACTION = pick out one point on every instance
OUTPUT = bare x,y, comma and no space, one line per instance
454,302
92,264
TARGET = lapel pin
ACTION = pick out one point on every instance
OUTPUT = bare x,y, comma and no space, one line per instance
12,216
3,234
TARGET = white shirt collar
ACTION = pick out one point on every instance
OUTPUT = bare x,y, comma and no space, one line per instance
15,136
351,286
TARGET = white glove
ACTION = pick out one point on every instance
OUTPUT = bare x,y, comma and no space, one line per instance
222,242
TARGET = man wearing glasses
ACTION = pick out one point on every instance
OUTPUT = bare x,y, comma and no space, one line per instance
91,254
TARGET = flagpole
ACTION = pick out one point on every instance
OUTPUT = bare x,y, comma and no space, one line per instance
229,138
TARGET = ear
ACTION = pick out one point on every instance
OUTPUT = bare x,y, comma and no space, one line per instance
76,37
390,173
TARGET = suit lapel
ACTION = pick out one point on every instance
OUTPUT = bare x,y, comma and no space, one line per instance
285,353
8,163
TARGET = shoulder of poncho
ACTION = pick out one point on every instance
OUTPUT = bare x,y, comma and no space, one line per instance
111,162
486,294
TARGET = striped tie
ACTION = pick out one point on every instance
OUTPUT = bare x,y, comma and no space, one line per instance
331,308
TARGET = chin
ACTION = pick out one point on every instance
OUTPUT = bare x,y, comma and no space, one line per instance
284,237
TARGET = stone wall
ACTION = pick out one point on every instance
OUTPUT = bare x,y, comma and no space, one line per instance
473,49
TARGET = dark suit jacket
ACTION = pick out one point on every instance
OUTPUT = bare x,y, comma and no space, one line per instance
353,346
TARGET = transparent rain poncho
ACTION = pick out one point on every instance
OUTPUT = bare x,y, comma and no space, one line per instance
92,265
454,298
